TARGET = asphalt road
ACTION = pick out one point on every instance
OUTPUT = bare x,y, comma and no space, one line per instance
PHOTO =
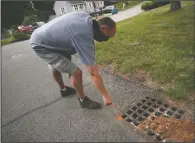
34,111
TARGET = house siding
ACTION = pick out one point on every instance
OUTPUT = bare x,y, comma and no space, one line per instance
68,7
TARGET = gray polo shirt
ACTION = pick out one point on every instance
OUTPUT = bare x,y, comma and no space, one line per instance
72,33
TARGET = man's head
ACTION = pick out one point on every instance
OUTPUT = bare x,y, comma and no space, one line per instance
104,29
107,26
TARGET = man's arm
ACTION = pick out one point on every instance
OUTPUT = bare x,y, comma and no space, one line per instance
96,78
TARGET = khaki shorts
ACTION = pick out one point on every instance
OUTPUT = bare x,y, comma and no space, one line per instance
56,60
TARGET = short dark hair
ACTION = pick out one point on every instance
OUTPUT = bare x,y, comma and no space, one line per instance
107,21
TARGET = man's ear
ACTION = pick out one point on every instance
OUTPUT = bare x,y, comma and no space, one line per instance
102,27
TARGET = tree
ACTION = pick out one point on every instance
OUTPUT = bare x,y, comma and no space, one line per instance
175,5
13,12
43,9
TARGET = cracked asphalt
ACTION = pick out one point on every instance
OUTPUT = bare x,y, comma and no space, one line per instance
34,111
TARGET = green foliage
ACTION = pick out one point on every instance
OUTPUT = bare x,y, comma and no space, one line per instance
14,27
44,9
20,36
7,40
30,19
5,33
12,12
43,15
16,36
148,5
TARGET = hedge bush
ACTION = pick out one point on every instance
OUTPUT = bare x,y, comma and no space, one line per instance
20,36
16,36
148,5
7,40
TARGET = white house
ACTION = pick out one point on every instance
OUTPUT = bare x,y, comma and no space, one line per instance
63,7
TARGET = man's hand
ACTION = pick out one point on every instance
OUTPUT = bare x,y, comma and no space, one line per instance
96,78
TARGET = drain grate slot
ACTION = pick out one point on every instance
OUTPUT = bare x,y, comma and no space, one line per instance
162,109
149,103
124,116
153,100
181,112
155,106
157,114
147,97
140,119
134,115
173,108
170,113
177,116
135,123
143,101
166,105
129,112
144,107
129,120
146,114
150,133
150,110
140,111
134,108
158,138
159,102
139,104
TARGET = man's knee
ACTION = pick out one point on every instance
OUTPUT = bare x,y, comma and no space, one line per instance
56,73
77,73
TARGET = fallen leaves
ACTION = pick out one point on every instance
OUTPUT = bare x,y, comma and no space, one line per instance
171,128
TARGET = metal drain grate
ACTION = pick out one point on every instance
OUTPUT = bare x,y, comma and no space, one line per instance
142,109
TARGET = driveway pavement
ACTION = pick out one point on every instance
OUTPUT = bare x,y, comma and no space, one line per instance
34,111
122,15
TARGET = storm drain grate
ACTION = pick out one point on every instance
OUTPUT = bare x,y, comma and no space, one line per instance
142,109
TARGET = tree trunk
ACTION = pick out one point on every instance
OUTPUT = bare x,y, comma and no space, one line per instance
175,5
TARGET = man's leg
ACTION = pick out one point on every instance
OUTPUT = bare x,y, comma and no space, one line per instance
77,83
65,90
58,78
84,101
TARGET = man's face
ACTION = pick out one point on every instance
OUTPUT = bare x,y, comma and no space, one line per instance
108,32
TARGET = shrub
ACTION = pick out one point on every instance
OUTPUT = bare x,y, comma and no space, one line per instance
7,41
146,4
153,4
20,36
30,19
5,34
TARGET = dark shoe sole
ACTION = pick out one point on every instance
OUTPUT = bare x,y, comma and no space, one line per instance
69,94
92,108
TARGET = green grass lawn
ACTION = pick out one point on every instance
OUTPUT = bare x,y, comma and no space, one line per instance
165,38
131,4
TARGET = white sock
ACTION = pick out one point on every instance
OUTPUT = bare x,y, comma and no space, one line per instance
82,99
63,89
